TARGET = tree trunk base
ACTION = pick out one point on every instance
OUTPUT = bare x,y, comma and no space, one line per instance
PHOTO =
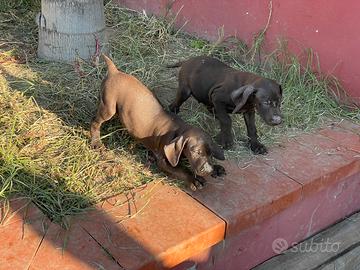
69,29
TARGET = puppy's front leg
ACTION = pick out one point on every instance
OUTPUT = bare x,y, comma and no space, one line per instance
225,137
196,182
255,145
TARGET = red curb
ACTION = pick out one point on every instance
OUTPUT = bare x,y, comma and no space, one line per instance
345,133
21,209
314,161
20,242
71,249
154,228
159,227
250,193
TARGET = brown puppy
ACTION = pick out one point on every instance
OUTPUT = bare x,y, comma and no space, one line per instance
227,90
166,135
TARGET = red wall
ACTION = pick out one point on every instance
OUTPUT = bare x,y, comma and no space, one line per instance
330,27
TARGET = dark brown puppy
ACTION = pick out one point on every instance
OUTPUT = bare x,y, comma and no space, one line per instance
166,135
228,90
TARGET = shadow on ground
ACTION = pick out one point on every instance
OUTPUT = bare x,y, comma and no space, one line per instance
98,238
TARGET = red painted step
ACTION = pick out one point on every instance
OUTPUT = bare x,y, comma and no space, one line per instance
302,186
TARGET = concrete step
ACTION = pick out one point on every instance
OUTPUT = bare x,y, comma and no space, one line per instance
303,185
337,247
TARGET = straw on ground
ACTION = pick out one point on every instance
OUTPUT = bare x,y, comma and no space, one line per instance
46,108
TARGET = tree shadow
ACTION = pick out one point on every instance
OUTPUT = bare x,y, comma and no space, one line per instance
103,237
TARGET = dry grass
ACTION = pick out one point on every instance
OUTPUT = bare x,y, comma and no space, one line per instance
46,108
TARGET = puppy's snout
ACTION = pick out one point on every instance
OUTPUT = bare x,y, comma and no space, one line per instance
276,120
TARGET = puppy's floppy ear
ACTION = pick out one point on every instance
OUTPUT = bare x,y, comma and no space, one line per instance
241,95
174,149
216,151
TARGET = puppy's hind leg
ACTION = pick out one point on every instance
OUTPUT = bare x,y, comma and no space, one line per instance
104,113
224,137
182,95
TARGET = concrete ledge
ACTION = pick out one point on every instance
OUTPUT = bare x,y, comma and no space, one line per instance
303,185
152,227
326,168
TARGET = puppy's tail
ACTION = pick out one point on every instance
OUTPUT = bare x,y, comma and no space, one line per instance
178,64
110,65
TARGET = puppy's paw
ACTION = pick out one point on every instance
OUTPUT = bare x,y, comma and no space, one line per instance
218,171
258,148
96,144
226,141
197,183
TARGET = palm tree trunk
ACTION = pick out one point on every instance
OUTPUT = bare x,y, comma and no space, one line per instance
70,29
